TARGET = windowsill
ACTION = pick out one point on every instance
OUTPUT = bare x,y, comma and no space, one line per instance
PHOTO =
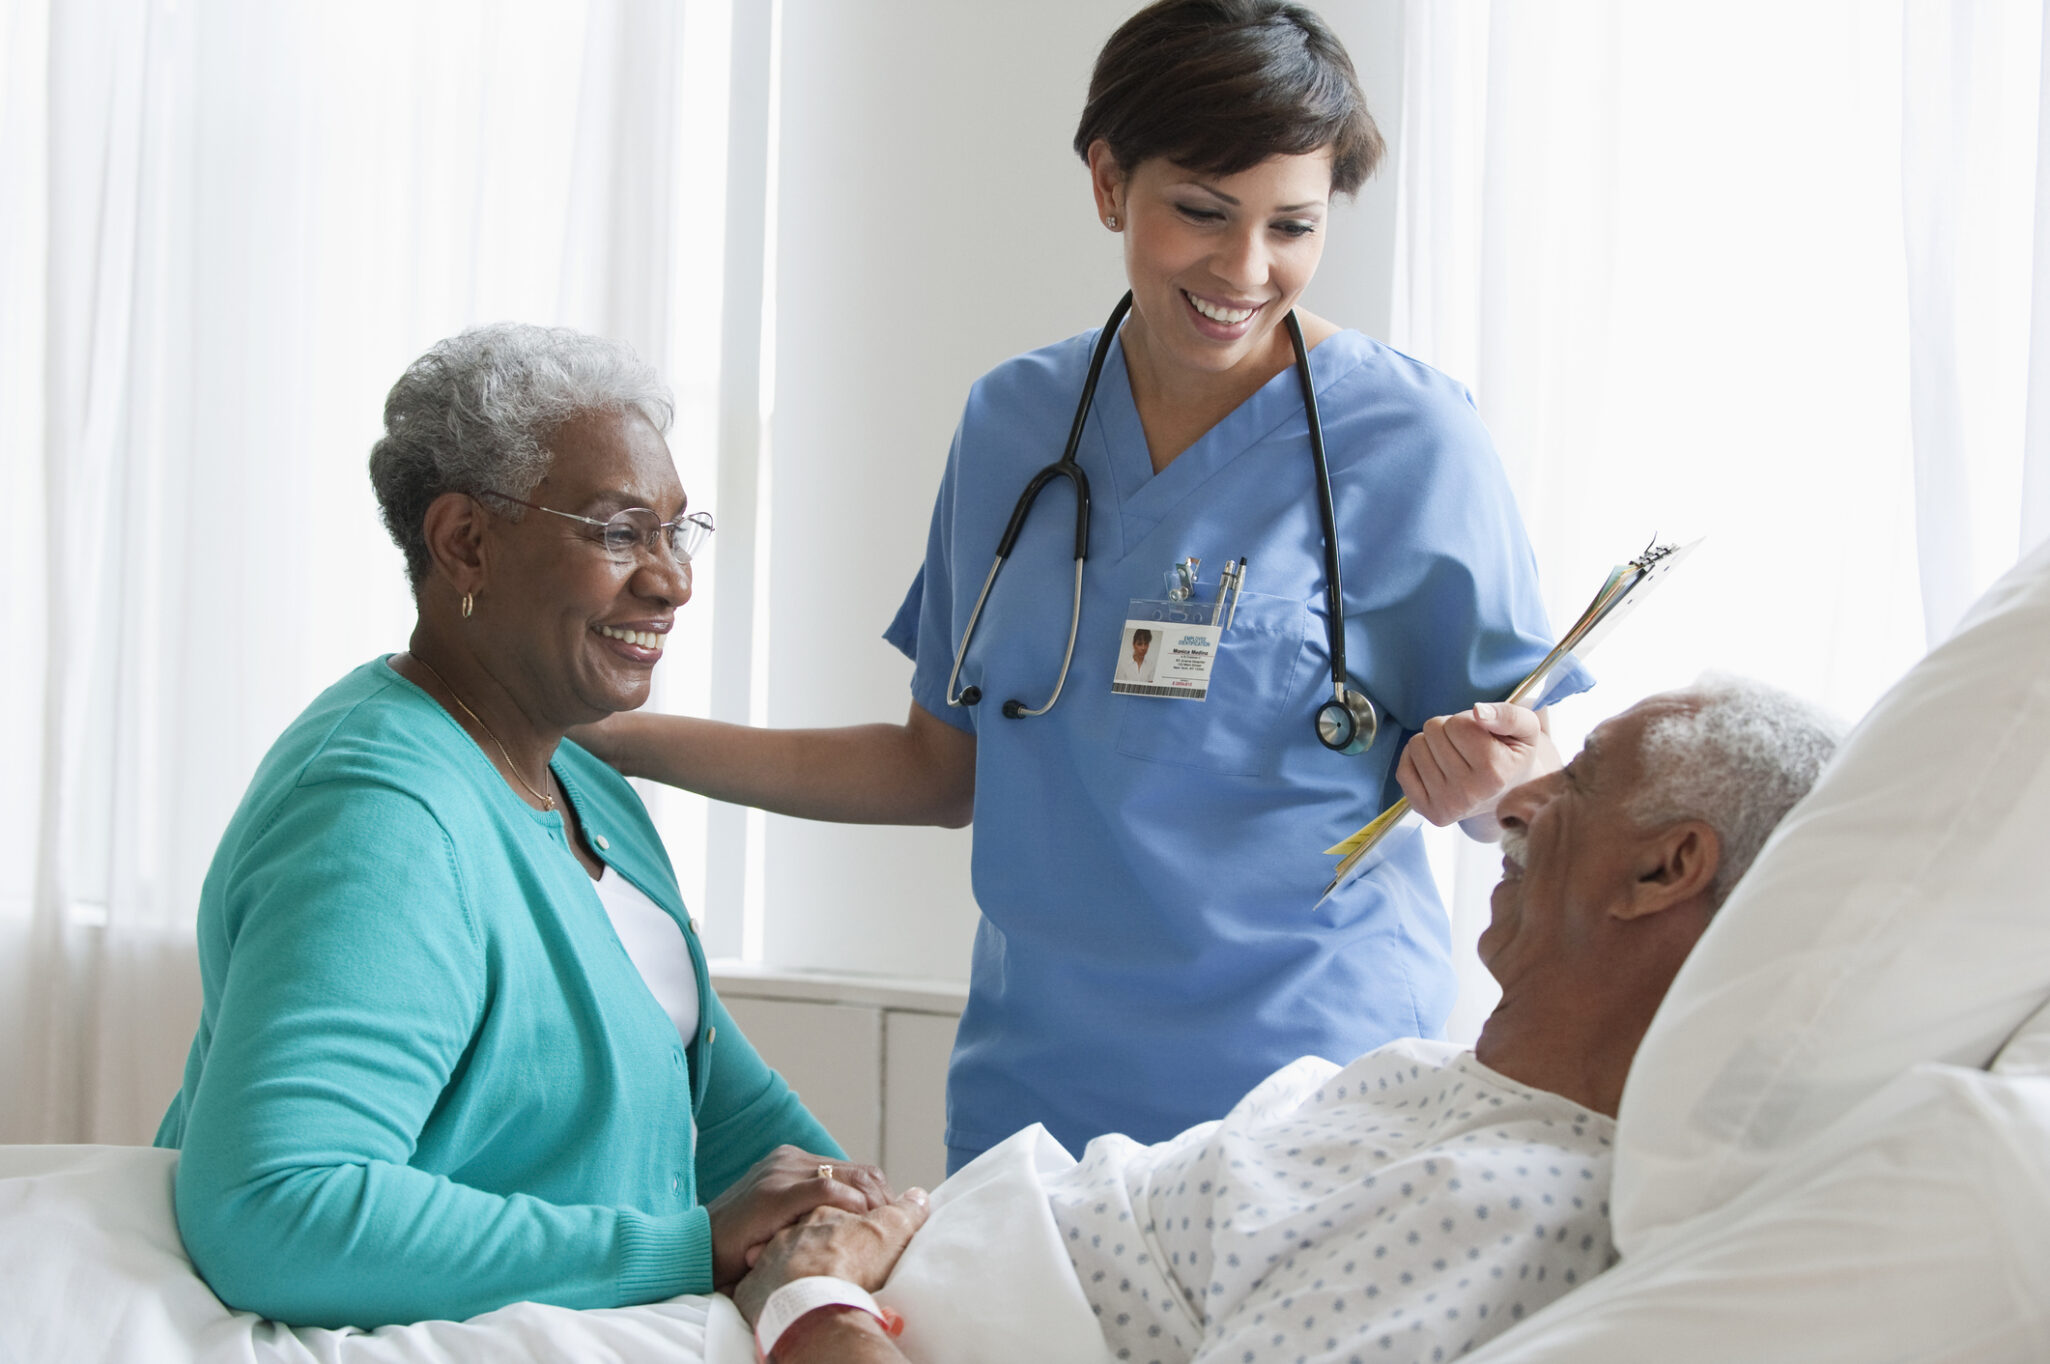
735,979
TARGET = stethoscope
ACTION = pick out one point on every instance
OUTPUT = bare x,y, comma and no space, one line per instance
1346,723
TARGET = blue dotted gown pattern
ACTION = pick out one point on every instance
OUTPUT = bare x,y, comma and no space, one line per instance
1407,1208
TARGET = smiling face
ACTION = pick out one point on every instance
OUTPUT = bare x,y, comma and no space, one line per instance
578,635
1575,861
1215,261
1141,642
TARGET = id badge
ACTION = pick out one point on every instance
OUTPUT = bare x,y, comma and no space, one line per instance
1167,649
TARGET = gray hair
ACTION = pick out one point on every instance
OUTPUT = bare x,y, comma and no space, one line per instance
1740,757
475,413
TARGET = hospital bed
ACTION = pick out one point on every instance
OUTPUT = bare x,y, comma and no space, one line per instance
1834,1145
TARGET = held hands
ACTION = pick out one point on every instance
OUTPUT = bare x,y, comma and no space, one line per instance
860,1249
782,1188
1459,765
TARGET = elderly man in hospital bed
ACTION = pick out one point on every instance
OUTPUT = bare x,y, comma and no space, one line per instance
1409,1206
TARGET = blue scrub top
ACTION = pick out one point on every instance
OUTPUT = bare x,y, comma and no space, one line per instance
1146,867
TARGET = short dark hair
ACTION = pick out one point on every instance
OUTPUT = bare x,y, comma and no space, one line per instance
1219,86
1142,635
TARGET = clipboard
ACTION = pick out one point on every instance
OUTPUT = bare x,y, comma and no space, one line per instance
1627,586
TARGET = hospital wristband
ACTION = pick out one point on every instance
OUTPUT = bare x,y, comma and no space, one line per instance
801,1297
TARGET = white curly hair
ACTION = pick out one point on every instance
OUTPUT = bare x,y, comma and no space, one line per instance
1738,758
475,413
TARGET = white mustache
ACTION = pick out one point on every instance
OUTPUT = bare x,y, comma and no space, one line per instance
1513,841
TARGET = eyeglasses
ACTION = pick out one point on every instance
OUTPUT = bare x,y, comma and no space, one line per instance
636,528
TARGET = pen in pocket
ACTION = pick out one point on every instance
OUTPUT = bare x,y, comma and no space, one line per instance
1228,587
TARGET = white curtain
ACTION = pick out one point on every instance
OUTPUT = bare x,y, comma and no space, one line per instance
1764,271
225,227
1760,272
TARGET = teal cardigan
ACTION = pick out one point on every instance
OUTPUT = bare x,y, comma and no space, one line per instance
428,1081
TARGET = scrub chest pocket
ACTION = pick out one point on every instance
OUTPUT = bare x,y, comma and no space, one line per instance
1239,728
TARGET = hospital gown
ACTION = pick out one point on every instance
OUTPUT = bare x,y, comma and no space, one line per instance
1408,1207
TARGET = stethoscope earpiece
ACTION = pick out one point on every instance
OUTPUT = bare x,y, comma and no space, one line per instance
1347,723
1012,709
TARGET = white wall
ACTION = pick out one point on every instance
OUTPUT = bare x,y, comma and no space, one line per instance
932,220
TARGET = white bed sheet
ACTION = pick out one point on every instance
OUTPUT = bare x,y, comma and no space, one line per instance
1914,1231
92,1268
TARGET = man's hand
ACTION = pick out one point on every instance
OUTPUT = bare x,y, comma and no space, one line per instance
861,1249
1459,765
780,1190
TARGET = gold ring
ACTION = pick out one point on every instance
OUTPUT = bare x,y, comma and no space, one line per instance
825,1172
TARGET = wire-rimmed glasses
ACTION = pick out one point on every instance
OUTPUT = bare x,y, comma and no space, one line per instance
625,533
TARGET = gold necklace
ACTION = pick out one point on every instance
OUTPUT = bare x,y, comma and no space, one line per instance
547,801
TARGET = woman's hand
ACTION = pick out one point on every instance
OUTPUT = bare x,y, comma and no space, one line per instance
861,1249
1459,765
782,1187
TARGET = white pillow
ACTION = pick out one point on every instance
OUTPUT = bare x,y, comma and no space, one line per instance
1898,915
1916,1231
2028,1051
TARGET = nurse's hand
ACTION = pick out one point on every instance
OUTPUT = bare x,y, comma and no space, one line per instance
1459,765
782,1188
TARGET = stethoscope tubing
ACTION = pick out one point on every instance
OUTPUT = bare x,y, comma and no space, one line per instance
1334,590
1065,467
1354,728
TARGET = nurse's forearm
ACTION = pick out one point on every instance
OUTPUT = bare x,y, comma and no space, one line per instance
919,772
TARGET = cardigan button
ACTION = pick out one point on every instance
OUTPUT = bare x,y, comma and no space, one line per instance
599,839
711,1035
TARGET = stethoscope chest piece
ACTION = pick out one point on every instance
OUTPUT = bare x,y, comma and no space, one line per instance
1347,723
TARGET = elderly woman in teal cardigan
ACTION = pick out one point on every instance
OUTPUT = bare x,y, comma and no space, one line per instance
458,1048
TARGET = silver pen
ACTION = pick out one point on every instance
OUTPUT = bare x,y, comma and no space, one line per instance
1238,583
1224,582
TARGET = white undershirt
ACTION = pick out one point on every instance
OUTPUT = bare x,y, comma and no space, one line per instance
655,945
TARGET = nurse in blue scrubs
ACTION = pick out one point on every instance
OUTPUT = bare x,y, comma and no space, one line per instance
1145,865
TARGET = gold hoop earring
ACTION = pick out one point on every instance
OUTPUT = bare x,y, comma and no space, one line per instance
469,604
